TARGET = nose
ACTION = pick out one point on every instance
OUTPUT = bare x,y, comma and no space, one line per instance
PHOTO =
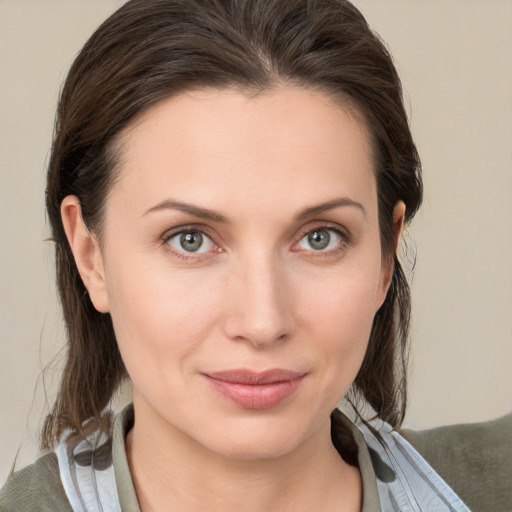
261,302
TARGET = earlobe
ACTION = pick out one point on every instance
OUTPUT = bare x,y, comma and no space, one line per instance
86,251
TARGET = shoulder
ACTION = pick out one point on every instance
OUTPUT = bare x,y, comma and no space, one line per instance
474,459
35,488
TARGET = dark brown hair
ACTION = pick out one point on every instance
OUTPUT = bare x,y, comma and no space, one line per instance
149,50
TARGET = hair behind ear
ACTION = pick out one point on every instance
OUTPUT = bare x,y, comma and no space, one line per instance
382,378
94,368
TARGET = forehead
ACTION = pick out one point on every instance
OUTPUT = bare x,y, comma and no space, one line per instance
286,142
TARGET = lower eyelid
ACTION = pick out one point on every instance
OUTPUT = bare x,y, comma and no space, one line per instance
343,242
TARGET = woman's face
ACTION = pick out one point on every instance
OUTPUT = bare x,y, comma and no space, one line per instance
241,264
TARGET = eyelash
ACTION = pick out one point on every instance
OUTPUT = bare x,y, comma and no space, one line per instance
187,229
344,243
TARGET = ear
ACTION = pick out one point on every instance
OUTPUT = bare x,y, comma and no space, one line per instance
398,223
389,265
86,251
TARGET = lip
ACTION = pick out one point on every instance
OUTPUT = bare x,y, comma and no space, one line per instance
256,390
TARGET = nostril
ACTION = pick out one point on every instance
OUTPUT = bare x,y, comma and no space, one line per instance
245,328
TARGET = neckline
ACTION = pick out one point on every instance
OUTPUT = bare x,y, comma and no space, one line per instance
126,490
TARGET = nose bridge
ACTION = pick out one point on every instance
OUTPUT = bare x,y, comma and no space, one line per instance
262,303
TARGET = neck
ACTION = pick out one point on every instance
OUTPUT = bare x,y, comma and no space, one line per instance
171,471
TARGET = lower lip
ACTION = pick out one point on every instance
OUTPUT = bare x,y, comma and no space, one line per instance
260,396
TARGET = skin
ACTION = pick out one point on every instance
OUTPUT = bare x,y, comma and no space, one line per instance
257,295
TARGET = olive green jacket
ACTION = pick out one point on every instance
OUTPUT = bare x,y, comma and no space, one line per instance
474,459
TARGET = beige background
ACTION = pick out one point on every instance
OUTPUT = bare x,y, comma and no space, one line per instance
455,60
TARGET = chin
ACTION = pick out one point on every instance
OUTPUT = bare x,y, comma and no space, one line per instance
251,440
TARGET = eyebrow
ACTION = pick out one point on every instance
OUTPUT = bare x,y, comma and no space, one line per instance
205,213
196,211
330,205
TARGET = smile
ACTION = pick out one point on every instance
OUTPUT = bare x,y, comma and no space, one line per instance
256,390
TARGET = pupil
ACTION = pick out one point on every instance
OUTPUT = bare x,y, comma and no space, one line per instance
319,239
191,241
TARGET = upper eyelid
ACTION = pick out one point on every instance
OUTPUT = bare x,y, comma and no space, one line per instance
205,229
187,227
325,225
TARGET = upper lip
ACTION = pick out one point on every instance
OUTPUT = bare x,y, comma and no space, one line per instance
255,378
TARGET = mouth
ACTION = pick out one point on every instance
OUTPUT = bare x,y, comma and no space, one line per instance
256,390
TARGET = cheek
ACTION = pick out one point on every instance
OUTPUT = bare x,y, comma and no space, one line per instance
159,316
348,296
338,314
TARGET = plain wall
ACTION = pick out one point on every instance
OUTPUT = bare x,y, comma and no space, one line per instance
454,57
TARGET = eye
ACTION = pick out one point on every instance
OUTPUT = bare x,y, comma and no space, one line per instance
191,241
321,239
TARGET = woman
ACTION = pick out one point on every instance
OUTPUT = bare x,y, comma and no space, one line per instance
227,187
